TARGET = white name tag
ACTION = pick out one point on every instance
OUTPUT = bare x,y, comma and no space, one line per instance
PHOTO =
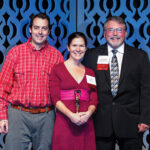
91,80
102,63
103,60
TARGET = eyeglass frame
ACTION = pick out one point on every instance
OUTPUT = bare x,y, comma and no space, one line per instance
118,30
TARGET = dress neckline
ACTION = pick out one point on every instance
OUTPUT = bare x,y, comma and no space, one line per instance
73,77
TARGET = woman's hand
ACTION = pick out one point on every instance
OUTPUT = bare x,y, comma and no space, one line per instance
84,116
75,118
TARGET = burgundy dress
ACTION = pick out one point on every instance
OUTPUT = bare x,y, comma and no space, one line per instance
67,135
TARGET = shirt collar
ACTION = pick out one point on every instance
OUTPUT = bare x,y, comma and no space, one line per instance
119,49
33,48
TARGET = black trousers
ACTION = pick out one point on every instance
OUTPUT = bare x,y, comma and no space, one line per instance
108,143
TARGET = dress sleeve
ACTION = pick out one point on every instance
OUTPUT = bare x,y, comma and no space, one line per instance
93,97
93,93
55,85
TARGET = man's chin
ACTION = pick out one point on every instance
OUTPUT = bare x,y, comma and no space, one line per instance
40,42
115,46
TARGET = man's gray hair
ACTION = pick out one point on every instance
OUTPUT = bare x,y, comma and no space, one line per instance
117,19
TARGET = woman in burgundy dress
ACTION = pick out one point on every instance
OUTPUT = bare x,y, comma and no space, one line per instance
73,92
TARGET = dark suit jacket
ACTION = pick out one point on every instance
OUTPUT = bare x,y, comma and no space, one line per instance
131,105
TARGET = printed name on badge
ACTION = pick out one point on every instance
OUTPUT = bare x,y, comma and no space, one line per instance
102,63
91,81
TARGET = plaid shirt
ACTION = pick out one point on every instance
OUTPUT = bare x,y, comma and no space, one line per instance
25,76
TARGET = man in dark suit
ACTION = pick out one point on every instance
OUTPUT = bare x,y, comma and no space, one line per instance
123,113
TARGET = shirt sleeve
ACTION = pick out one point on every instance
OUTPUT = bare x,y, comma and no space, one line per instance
60,58
6,83
54,86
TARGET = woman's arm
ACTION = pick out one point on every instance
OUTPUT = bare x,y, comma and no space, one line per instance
74,117
86,115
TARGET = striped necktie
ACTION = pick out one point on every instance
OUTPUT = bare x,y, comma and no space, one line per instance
114,74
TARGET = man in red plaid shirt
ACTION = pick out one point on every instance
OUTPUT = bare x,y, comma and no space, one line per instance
25,102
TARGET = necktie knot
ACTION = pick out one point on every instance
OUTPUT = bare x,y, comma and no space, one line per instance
114,51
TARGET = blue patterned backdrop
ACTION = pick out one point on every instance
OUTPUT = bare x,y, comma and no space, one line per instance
91,15
67,16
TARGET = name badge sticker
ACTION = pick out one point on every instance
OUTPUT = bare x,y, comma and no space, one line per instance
91,81
102,62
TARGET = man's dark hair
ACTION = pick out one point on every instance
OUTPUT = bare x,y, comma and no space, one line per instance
117,19
42,16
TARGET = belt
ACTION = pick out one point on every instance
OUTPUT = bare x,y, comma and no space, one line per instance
33,110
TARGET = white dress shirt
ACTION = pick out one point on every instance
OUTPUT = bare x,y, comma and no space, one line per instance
119,55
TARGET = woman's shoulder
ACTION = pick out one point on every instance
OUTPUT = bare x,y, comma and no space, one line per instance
58,67
89,71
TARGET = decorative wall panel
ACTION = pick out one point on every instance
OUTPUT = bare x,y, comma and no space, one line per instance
15,18
92,14
67,16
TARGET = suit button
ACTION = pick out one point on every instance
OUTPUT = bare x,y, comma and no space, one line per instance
113,103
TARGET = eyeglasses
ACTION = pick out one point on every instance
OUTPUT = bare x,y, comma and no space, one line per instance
111,30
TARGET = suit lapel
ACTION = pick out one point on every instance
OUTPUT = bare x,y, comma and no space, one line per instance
104,51
105,76
125,63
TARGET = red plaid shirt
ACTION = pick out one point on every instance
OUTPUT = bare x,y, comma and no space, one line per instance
24,78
